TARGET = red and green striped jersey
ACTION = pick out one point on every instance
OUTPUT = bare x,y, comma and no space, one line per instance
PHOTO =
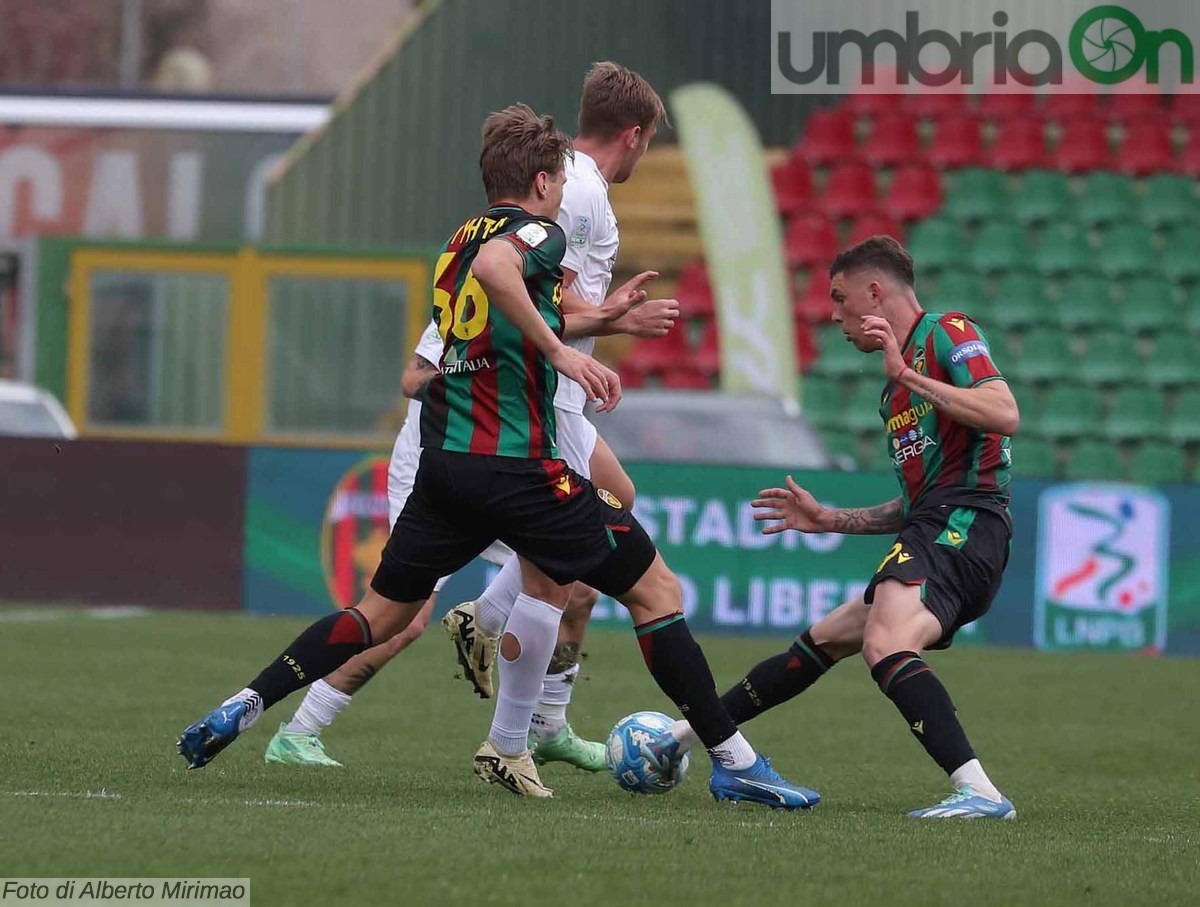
495,393
939,461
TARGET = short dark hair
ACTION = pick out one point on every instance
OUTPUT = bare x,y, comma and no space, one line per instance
882,252
517,146
616,98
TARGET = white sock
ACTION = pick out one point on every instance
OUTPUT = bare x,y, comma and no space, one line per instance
736,753
682,731
254,707
321,705
550,715
495,603
972,773
534,623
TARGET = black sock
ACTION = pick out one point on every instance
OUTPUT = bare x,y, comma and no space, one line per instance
681,671
777,679
321,649
911,684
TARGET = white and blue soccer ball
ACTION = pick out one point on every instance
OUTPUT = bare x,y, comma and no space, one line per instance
626,763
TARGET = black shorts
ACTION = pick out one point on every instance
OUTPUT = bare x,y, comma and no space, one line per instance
957,556
543,510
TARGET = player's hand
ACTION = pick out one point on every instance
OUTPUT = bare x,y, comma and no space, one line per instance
893,359
789,508
652,318
598,381
629,294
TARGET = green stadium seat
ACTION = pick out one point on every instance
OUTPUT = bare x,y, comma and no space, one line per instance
1034,458
1184,423
1020,301
1063,248
1094,460
1071,412
937,244
1136,413
1105,197
1043,196
1169,200
1149,306
1001,246
1156,463
997,341
1128,249
861,412
840,443
1191,312
875,456
1181,254
1111,358
823,404
1029,401
977,195
838,357
1045,356
961,291
1174,361
1086,303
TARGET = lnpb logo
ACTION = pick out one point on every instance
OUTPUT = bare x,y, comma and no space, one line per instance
355,529
1102,568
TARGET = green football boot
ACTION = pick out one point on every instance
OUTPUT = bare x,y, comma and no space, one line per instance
567,746
296,748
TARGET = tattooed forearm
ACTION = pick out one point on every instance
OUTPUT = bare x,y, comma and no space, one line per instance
417,374
879,520
356,678
565,655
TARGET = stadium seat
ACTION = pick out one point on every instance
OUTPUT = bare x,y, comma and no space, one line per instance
1086,303
1083,147
1156,463
875,456
960,291
828,137
874,223
1136,413
1126,250
792,181
1146,149
1174,360
809,240
1019,145
861,412
933,104
1063,108
1001,246
915,192
977,194
823,403
1071,412
893,140
1149,306
937,244
1063,248
956,143
838,357
1045,356
1169,200
1184,423
1104,198
706,353
1042,196
1033,457
1185,108
1137,107
1181,254
1095,460
1029,401
1111,358
850,190
998,345
694,292
1189,158
861,103
805,347
812,305
840,443
654,355
1002,107
1020,301
688,378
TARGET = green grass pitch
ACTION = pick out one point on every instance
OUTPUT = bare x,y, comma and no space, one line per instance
1101,755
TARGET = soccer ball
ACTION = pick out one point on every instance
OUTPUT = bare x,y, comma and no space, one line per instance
624,756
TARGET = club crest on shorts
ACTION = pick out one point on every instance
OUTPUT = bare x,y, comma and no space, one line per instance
608,498
354,530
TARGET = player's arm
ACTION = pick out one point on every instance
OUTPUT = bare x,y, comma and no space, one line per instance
794,508
625,311
417,374
500,269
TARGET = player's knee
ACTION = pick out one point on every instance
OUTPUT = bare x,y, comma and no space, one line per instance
579,606
878,643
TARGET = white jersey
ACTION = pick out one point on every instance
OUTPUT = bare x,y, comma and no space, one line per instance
586,216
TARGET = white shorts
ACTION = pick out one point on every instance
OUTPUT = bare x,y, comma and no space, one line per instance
576,440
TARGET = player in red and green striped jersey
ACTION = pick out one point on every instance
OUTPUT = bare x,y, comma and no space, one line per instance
947,413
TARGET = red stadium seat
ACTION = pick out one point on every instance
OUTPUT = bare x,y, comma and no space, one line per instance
706,357
915,192
1189,161
687,378
809,239
1147,148
1127,107
806,347
828,137
874,223
792,181
1019,145
1000,107
813,305
893,140
631,378
650,356
956,143
1083,147
862,103
694,292
934,104
850,190
1063,108
1185,108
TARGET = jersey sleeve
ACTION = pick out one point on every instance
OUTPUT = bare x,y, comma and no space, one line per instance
541,244
579,217
430,346
962,351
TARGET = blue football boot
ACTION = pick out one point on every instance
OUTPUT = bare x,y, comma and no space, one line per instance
966,804
202,740
760,784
